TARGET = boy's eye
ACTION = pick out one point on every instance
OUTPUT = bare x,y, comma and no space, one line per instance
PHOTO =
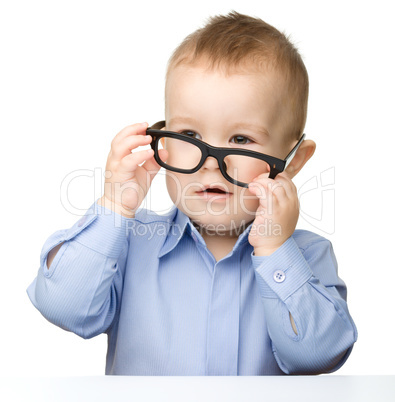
191,133
240,140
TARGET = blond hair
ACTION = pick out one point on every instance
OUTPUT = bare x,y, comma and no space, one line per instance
235,42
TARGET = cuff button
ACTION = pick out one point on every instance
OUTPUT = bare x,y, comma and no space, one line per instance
279,276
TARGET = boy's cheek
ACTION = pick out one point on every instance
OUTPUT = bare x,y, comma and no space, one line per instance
175,187
172,187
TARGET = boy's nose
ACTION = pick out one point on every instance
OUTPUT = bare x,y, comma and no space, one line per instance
210,163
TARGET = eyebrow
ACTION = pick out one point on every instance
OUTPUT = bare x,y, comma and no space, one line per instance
236,127
181,120
252,127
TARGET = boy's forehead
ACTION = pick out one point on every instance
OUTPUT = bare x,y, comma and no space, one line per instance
200,77
189,83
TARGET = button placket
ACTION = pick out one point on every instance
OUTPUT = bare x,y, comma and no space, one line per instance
223,321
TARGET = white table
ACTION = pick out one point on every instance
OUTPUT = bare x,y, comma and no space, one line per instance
273,389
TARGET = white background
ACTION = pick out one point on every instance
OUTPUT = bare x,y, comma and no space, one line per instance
74,73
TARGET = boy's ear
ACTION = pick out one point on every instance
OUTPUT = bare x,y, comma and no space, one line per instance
303,154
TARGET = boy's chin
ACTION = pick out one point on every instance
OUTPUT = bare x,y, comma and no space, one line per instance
221,226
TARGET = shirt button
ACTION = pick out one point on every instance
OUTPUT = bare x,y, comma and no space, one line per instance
81,221
279,276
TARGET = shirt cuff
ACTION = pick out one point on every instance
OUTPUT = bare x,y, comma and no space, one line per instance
101,230
283,272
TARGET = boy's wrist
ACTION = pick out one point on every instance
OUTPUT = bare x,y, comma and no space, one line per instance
105,202
267,247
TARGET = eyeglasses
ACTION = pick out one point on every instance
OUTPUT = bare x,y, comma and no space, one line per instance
186,154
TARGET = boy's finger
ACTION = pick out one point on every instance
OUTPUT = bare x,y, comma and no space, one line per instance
131,162
152,167
128,144
262,176
282,185
134,129
268,193
287,184
163,154
258,189
263,202
261,181
278,191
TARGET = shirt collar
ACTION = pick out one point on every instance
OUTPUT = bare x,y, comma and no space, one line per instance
175,233
182,225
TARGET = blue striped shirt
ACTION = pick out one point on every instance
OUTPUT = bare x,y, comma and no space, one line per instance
169,308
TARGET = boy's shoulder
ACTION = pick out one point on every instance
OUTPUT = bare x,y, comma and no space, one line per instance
305,239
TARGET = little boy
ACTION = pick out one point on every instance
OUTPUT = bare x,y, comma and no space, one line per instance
223,284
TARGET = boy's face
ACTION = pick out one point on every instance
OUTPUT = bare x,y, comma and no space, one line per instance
234,111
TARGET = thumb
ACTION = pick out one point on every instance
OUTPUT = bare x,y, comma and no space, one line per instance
152,167
258,190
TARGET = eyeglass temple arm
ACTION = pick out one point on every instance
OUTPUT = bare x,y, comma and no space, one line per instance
158,125
274,171
290,156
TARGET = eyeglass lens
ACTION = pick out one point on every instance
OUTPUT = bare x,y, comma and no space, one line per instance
245,168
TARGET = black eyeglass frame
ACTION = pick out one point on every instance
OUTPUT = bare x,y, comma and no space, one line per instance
276,165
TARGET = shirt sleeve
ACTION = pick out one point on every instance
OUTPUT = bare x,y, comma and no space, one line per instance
305,284
81,290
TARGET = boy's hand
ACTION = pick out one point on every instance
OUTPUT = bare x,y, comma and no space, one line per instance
127,183
277,214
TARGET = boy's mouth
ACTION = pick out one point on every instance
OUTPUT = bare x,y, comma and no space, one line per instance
214,192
